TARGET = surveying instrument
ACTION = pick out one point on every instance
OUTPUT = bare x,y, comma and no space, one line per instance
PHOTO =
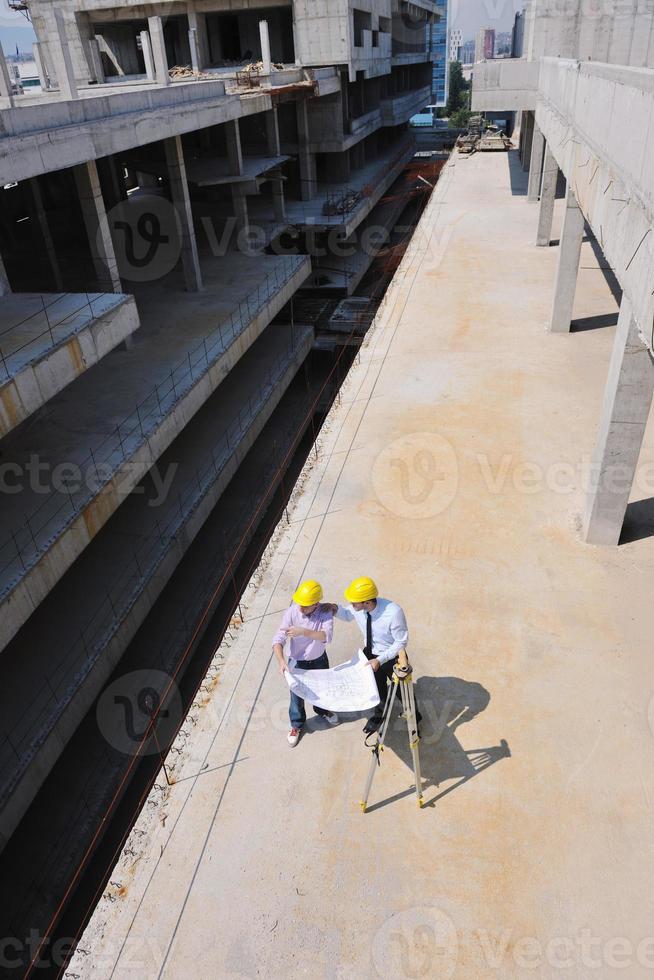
402,677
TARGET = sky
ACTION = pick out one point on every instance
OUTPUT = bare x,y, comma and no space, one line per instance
470,15
15,29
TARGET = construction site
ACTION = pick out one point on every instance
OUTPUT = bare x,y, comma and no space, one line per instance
251,337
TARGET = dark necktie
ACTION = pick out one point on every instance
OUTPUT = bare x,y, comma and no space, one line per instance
368,649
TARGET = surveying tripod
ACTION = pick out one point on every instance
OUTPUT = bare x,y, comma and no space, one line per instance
402,676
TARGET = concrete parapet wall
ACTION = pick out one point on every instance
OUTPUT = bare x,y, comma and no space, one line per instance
598,121
511,84
50,372
37,581
37,139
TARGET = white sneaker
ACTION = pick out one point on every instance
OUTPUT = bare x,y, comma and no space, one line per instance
293,737
331,718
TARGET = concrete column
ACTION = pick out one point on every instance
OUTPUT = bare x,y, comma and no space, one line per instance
536,164
627,402
279,204
568,267
528,123
272,133
95,60
198,22
193,47
234,150
46,235
155,27
97,226
547,198
306,159
146,48
182,203
265,47
6,98
40,66
241,213
61,57
5,287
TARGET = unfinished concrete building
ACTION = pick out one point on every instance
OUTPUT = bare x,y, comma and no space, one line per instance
154,223
585,94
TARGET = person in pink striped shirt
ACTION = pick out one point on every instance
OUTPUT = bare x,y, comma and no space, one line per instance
307,627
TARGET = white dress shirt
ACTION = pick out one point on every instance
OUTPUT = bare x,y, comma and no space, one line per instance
389,630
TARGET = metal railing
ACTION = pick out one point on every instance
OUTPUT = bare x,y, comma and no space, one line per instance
65,675
25,544
53,327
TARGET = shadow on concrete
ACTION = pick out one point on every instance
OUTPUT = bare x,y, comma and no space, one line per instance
594,322
519,177
638,521
609,274
446,703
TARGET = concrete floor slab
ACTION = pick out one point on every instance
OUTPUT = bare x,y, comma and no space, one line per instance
372,181
451,472
46,341
95,440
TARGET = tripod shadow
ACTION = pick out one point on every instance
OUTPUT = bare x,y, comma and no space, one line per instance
446,703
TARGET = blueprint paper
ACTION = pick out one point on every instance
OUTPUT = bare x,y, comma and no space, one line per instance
348,687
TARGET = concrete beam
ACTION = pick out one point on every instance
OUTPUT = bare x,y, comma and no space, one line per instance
155,27
182,202
568,267
97,226
627,402
536,164
547,199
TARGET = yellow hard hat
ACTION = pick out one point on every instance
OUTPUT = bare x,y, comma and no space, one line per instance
361,590
308,594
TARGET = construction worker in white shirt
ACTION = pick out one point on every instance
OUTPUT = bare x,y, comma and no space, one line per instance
385,632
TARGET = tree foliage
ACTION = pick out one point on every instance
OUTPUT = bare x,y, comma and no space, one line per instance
459,92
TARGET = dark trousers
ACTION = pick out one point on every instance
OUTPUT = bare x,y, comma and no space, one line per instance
296,712
384,677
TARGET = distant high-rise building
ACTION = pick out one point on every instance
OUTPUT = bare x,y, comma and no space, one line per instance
439,46
485,44
468,52
456,41
518,45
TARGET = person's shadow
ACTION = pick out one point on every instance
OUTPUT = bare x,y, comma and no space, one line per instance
446,703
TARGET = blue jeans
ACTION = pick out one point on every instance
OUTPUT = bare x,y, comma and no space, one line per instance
296,711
